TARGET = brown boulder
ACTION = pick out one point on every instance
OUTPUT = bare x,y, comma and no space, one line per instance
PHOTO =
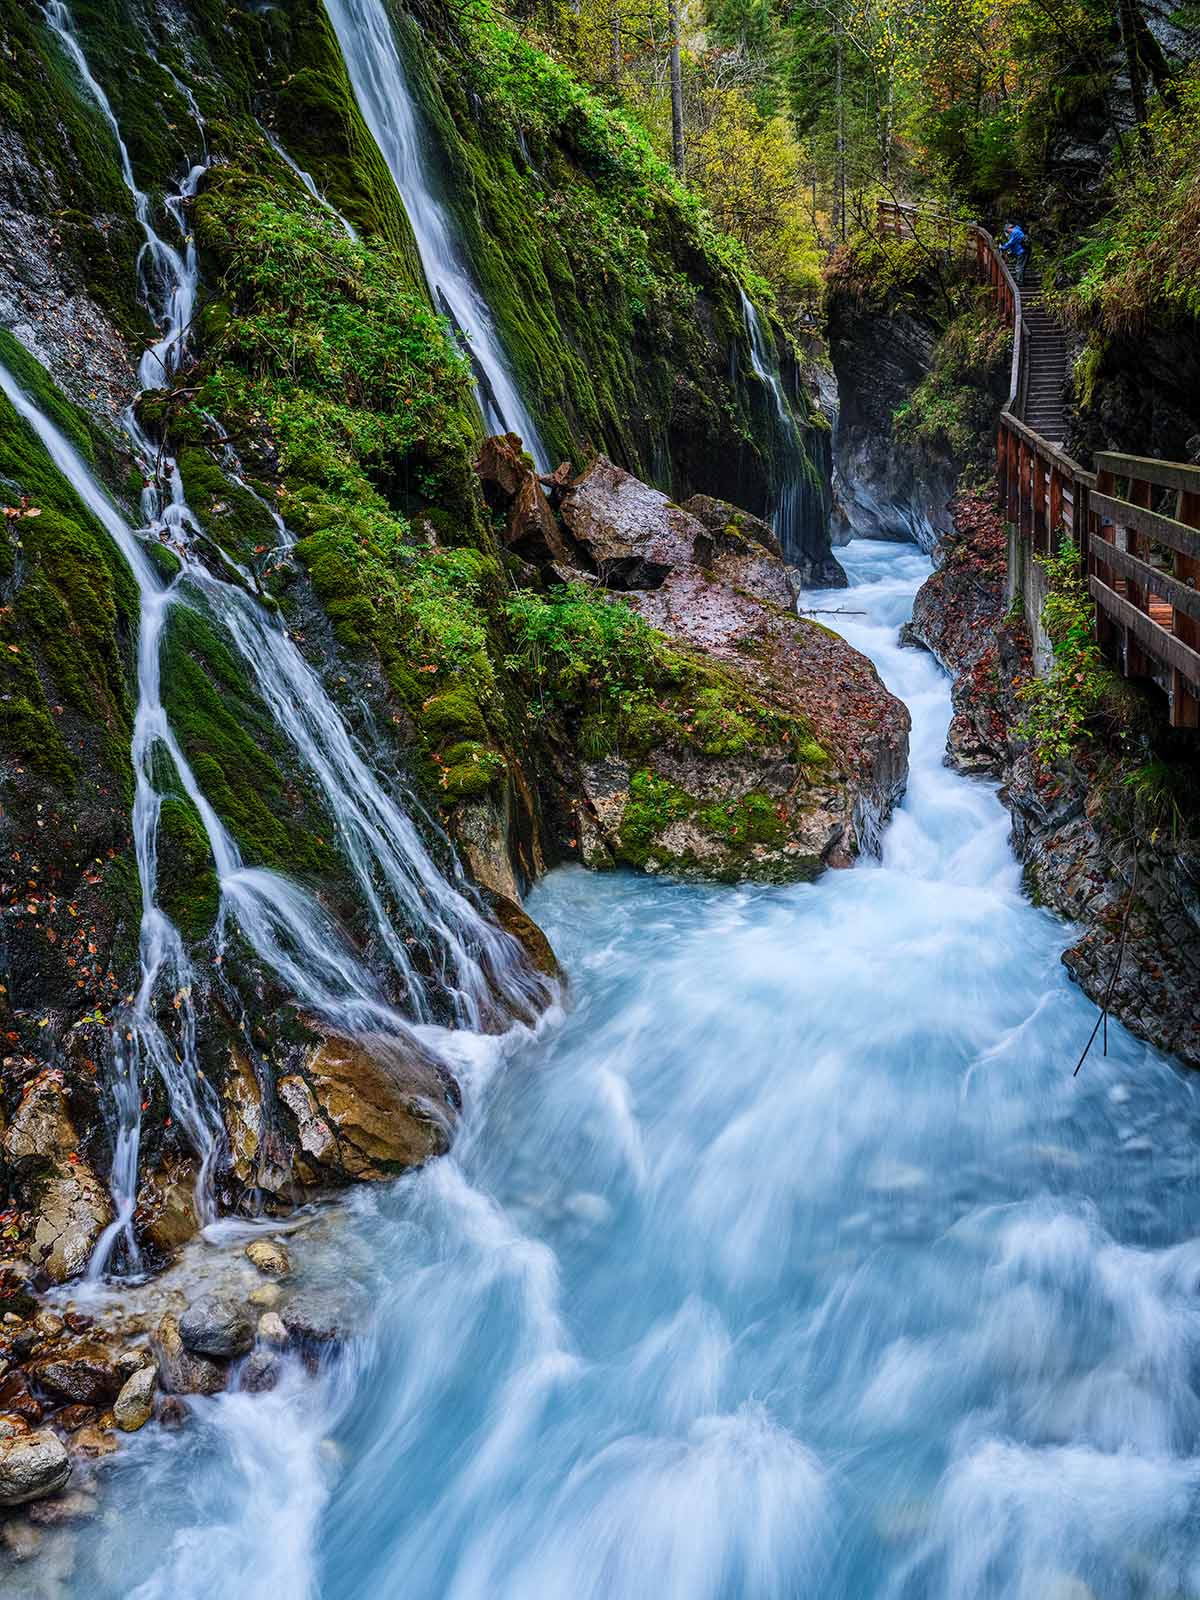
83,1373
166,1205
72,1210
41,1129
369,1108
633,534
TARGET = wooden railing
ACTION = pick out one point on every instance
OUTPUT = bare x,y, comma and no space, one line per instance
1142,560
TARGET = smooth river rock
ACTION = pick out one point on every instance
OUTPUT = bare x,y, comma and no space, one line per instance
134,1406
216,1326
269,1257
32,1465
179,1371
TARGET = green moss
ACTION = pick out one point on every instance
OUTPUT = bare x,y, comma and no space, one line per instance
69,618
239,523
188,890
469,768
754,819
233,748
654,803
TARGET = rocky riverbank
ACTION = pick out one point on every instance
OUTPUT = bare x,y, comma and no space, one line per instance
79,1375
1088,852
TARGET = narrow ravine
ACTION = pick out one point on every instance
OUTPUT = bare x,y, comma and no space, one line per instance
792,1261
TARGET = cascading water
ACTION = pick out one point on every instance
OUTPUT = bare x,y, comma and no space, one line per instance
794,1263
380,82
310,183
409,903
799,503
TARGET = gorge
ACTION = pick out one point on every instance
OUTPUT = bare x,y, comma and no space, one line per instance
528,1071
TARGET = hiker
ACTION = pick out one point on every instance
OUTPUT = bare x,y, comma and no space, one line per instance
1016,244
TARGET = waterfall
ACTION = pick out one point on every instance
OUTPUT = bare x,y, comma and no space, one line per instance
401,888
799,504
380,83
309,182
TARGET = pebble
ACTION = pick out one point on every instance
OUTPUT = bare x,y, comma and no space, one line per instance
267,1294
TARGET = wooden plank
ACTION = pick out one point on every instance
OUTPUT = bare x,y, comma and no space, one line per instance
1165,474
1151,523
1176,594
1163,646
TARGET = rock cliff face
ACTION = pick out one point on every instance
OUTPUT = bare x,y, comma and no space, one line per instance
881,490
1087,854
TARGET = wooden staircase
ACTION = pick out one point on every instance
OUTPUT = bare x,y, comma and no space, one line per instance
1044,377
1134,521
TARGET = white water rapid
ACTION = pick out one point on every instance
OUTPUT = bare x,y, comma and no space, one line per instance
793,1262
380,82
413,910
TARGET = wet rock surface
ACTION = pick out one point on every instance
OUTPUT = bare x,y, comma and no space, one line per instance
740,807
1085,855
216,1326
32,1465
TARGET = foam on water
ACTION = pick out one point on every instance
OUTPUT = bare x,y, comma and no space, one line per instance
792,1261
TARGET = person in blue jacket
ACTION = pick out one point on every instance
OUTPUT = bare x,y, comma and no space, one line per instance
1016,245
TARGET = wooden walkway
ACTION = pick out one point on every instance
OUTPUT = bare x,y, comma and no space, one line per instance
1136,521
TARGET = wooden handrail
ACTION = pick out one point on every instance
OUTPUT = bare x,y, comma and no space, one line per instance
1147,617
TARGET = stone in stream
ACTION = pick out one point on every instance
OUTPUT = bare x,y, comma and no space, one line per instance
272,1329
135,1403
368,1108
260,1372
179,1371
269,1257
32,1465
84,1373
216,1326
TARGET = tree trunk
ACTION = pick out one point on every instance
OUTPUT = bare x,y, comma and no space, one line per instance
615,60
676,87
841,138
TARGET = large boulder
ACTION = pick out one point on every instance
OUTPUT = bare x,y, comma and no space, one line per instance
794,752
32,1465
71,1210
41,1129
633,534
368,1108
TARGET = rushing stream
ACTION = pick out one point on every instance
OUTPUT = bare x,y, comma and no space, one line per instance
791,1262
